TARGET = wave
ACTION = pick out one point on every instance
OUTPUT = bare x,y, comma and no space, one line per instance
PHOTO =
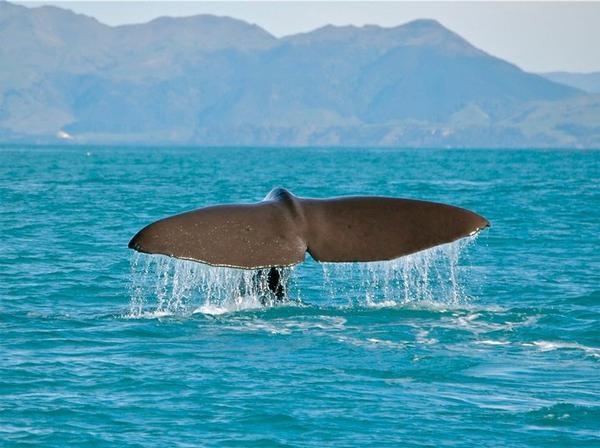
563,414
546,346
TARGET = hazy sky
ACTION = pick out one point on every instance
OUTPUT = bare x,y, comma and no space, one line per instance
537,36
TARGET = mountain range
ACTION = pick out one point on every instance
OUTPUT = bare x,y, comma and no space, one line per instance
207,80
588,82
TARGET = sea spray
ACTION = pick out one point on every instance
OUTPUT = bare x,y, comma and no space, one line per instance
163,285
432,275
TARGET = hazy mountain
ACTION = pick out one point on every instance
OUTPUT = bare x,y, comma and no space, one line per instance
219,81
588,82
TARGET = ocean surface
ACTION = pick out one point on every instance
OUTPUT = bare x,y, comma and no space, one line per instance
491,342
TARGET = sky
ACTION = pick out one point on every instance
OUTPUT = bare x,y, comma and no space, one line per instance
538,36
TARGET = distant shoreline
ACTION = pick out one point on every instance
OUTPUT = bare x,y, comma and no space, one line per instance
167,146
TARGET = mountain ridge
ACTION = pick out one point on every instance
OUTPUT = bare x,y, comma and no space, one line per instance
588,82
211,80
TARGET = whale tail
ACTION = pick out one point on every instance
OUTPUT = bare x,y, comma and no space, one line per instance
280,230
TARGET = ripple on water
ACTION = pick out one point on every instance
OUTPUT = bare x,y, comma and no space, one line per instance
364,353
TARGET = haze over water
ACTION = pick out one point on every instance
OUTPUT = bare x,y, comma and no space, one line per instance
502,348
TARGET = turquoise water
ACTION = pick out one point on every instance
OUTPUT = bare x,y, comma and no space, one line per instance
494,342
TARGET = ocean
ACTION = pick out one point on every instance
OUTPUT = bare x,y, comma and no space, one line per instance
492,341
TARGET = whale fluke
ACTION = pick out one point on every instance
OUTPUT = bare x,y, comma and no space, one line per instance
280,230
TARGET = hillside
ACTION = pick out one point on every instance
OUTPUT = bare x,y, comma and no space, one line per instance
210,80
588,82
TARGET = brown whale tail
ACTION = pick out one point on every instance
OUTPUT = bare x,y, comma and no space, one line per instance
279,230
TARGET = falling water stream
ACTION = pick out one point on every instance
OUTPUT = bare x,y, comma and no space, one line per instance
163,285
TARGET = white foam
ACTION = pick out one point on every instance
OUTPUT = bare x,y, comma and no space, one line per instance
148,315
423,339
492,342
234,305
546,346
372,343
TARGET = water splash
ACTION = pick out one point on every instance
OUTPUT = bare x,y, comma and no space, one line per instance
163,286
432,275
